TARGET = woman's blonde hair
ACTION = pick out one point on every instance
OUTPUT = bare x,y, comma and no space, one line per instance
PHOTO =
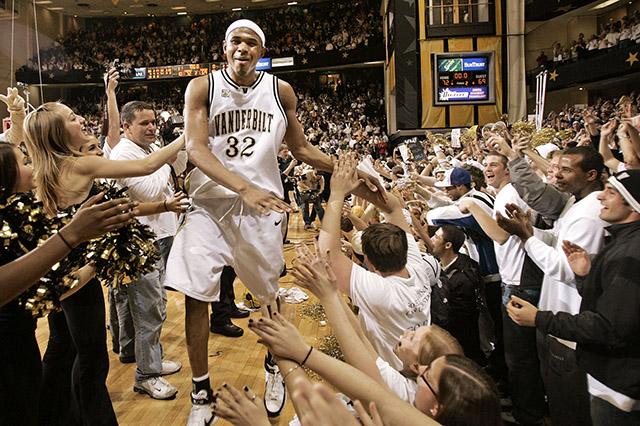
49,146
436,343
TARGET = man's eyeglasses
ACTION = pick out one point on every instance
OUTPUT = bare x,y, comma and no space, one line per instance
422,376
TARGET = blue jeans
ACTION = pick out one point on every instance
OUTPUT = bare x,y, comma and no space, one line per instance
605,414
521,356
120,323
148,305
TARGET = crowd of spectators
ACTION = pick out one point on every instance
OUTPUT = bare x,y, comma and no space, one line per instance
616,34
141,42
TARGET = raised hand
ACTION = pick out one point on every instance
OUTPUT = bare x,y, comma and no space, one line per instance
345,177
317,405
314,272
578,258
13,100
280,337
501,145
517,222
241,409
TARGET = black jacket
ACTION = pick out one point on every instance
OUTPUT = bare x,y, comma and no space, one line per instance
607,329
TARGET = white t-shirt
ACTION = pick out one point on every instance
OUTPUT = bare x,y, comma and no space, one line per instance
390,305
579,223
402,386
151,188
510,255
618,400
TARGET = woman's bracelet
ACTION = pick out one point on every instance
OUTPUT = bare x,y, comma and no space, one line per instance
284,377
64,240
307,357
165,206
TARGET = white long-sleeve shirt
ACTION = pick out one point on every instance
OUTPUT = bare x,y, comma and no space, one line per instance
151,188
579,223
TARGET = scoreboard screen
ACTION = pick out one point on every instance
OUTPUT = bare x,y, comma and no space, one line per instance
177,71
463,78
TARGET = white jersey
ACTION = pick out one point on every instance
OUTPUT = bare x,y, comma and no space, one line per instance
246,127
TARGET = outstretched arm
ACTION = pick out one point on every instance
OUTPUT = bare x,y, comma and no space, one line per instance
282,339
89,222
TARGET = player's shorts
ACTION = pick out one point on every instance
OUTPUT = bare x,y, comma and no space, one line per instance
220,232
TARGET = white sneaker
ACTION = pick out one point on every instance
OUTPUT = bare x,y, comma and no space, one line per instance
201,413
156,388
170,367
275,393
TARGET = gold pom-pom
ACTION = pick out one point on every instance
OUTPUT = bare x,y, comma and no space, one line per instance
543,136
523,128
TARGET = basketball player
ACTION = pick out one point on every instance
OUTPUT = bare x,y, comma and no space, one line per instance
235,121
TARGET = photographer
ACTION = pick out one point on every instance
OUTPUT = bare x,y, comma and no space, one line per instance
311,185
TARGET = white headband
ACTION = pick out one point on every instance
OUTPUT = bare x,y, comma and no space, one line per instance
245,23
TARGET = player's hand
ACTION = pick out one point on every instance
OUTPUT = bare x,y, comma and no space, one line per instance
263,201
178,203
93,220
373,184
13,100
240,409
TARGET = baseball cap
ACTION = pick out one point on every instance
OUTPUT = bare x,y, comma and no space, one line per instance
454,177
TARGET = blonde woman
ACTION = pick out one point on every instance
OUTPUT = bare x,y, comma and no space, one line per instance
64,177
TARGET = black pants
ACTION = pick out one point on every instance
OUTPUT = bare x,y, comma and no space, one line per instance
20,378
221,310
564,382
311,200
493,296
80,331
521,356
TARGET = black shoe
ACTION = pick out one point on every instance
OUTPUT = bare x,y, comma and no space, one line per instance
239,313
229,330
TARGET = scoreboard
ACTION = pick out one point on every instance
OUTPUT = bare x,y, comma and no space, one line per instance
175,71
463,78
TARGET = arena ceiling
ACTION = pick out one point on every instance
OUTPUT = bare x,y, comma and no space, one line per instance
101,8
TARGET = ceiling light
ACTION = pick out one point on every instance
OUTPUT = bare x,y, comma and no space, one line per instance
44,2
292,3
178,7
182,13
211,1
235,9
604,4
56,8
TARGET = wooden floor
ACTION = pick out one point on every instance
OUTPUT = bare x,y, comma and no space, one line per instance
238,361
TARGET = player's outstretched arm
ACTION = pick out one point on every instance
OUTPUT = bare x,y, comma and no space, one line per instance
196,133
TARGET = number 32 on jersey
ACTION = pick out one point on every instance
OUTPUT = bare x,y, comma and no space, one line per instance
243,148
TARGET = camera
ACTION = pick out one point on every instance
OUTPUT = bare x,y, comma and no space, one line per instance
126,72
